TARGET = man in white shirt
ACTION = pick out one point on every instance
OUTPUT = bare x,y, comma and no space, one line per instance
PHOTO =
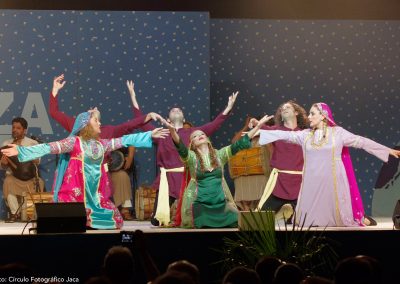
20,177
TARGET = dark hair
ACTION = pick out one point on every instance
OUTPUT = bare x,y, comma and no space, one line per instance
358,269
266,267
174,277
241,275
119,264
288,273
302,120
21,121
184,266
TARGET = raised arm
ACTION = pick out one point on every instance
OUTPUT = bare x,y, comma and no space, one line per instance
64,120
136,109
174,135
212,126
131,89
131,125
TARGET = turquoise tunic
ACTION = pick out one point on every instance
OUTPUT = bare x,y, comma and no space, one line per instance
207,201
85,178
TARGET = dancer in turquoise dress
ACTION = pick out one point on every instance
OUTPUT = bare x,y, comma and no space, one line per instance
207,200
81,172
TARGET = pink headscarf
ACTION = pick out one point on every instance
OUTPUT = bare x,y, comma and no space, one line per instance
356,201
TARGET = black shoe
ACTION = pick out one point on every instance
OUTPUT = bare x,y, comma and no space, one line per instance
154,221
372,222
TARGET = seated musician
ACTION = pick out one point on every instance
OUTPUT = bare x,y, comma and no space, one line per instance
122,183
20,177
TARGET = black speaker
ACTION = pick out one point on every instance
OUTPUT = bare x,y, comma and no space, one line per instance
60,217
396,216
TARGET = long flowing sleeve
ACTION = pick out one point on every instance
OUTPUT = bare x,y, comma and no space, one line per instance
269,136
34,152
351,140
113,131
139,140
212,126
64,120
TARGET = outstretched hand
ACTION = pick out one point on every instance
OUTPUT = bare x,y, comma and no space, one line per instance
159,133
231,102
58,84
264,120
395,153
155,117
232,99
131,87
11,151
252,123
169,125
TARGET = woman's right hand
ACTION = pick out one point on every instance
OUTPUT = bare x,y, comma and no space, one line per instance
264,120
11,151
252,123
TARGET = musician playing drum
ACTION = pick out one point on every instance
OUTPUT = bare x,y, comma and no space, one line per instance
20,177
122,182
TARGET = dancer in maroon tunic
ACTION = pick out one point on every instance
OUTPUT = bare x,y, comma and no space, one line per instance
286,162
107,131
168,160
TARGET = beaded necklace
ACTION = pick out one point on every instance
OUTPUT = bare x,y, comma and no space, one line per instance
321,142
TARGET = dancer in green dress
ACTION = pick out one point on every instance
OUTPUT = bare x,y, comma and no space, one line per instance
207,200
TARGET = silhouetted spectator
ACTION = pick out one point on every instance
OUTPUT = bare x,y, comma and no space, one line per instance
241,275
174,277
358,270
266,267
288,273
187,267
119,265
16,269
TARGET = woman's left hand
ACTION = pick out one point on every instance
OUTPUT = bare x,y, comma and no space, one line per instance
395,153
159,133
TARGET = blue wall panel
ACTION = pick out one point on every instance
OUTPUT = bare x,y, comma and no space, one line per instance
166,54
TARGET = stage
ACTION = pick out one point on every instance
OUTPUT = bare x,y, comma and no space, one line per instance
80,255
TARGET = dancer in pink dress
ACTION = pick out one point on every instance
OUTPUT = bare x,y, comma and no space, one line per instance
81,171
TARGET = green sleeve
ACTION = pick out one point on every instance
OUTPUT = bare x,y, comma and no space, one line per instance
227,152
242,143
182,150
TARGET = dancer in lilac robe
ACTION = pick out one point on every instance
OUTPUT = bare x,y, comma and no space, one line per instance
327,196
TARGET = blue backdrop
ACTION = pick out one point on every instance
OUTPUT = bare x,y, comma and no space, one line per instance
166,54
353,66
